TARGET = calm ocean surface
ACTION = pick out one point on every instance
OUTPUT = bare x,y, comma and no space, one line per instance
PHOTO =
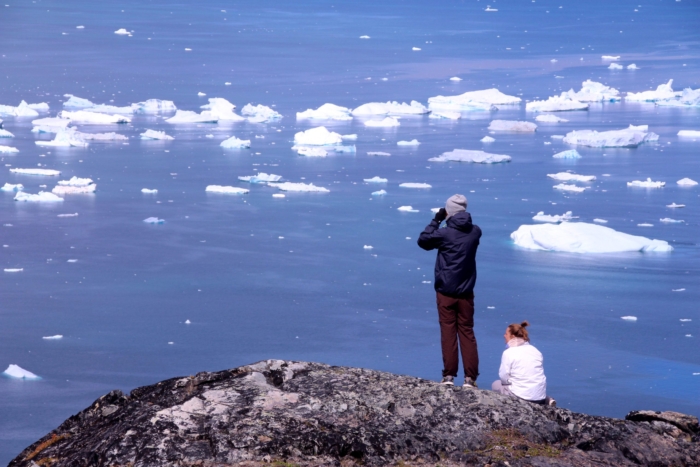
260,277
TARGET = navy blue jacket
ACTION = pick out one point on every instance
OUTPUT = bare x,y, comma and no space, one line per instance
455,266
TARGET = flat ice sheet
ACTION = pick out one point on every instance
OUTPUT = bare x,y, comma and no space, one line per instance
467,155
513,125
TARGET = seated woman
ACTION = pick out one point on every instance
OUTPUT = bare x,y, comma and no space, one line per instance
521,373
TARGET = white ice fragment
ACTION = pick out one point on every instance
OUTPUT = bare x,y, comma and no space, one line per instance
379,193
390,108
111,136
14,269
467,155
300,187
153,220
513,125
310,151
592,91
222,110
156,135
76,102
569,177
445,115
41,197
572,188
74,186
8,149
364,37
48,172
153,106
6,134
56,337
122,32
23,110
557,136
235,143
278,195
229,190
628,138
368,247
66,137
76,181
318,136
15,371
387,122
632,67
581,237
413,142
407,209
568,154
415,185
376,180
687,98
549,118
86,117
645,225
600,221
556,104
349,137
201,94
11,187
610,57
49,124
472,100
378,153
686,182
648,183
487,139
260,113
552,219
689,134
663,92
261,177
629,318
615,66
415,48
326,112
455,78
674,205
668,220
149,191
188,116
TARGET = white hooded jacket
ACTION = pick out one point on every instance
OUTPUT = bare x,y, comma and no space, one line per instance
522,372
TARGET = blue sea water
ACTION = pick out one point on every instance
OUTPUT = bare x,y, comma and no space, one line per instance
260,277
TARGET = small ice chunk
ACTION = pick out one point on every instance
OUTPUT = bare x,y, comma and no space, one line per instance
75,102
6,134
668,220
415,185
572,188
592,91
662,92
66,137
11,187
8,150
628,138
149,191
310,151
378,153
615,66
376,180
47,172
222,109
557,136
632,66
467,155
153,106
472,101
14,269
278,195
67,215
153,220
455,78
49,125
261,177
318,136
629,318
229,190
552,219
600,221
674,205
235,143
560,103
581,237
512,125
368,247
122,32
416,48
299,187
686,182
407,209
74,186
326,112
610,57
549,118
569,177
111,136
260,113
15,371
156,135
445,115
645,225
41,197
76,181
188,321
390,108
387,122
188,116
379,193
349,137
364,37
568,154
86,117
648,183
413,142
56,337
487,139
689,134
201,94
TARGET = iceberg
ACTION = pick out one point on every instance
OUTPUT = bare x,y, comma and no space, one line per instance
569,154
15,371
154,220
22,110
318,136
156,135
93,118
149,191
56,337
188,116
632,66
615,66
455,78
628,138
512,125
415,185
75,102
76,181
261,177
487,139
387,122
111,109
610,57
549,118
467,155
326,112
592,91
6,134
569,177
13,269
552,219
11,187
407,209
310,152
600,221
581,237
74,186
49,125
8,150
473,100
668,220
153,106
65,138
674,205
39,107
259,113
560,103
648,183
67,215
445,115
379,193
376,180
300,187
378,153
364,37
48,172
629,318
686,182
572,188
41,197
413,142
390,108
687,98
229,190
222,109
235,143
663,92
689,134
122,32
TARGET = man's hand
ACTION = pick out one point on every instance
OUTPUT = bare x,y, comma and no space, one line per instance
441,215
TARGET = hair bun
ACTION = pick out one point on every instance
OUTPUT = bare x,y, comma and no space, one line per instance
524,324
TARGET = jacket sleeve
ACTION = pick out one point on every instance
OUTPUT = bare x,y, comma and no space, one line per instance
430,238
504,370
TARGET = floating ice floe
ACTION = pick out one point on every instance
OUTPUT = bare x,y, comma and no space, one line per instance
632,66
49,124
379,193
648,183
569,177
556,104
686,182
368,247
581,237
13,269
75,214
201,94
156,135
349,137
549,118
75,102
310,151
467,155
188,116
628,138
318,136
687,98
6,134
15,371
675,206
260,113
629,318
326,112
235,143
23,110
364,37
122,32
229,190
689,134
445,115
600,221
278,195
41,197
552,219
413,142
645,225
154,220
568,154
74,186
222,110
615,66
11,187
415,185
572,188
376,180
513,125
455,78
86,117
610,57
50,338
473,100
407,209
390,108
103,137
387,122
487,139
8,149
261,177
300,187
378,153
48,172
592,91
149,191
668,220
663,92
153,106
415,49
65,138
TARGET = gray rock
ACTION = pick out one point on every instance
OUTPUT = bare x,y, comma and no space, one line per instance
311,414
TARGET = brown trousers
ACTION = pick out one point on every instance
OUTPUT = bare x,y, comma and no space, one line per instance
457,320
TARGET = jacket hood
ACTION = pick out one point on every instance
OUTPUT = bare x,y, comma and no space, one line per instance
460,221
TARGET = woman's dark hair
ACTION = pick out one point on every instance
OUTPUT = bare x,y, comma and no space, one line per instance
518,330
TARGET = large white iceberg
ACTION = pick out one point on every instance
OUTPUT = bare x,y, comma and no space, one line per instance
235,143
154,106
686,182
569,177
6,134
552,219
261,177
581,237
663,92
467,155
156,135
93,118
592,91
513,125
387,122
556,104
474,100
569,154
11,187
23,110
568,187
222,109
687,98
230,190
49,124
648,183
41,197
300,187
415,185
391,108
318,136
15,371
326,112
549,118
188,116
66,138
8,150
628,138
260,113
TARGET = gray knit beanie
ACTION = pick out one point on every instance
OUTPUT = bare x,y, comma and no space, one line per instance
455,204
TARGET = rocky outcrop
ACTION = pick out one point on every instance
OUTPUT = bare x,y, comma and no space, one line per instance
297,413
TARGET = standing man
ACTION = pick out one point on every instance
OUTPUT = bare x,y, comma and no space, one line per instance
455,276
